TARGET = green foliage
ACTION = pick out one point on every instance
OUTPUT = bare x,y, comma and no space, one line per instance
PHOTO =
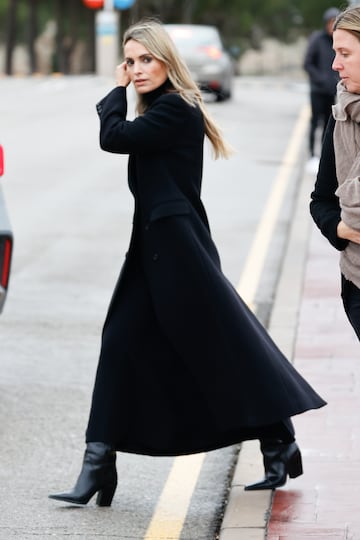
44,9
246,22
312,12
239,18
242,22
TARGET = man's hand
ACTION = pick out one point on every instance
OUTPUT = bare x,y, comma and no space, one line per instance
347,233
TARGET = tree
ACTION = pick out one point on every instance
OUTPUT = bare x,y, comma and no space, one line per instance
33,30
10,36
242,22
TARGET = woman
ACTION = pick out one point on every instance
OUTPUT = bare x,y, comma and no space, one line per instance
184,367
335,204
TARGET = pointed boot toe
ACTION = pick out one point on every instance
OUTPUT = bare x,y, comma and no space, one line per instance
71,498
98,475
77,496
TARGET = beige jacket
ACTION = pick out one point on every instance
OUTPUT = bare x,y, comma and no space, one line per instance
347,158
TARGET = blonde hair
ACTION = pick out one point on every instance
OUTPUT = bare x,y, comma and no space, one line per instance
152,35
349,20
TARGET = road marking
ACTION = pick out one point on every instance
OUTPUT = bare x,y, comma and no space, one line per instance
255,261
170,513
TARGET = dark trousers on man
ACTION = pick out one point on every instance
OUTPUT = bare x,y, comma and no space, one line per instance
321,107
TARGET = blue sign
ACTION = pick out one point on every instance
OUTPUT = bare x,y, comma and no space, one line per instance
106,23
123,4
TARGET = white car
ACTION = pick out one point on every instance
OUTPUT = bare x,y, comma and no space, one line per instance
210,64
6,241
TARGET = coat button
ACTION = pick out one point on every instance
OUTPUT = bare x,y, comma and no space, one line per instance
155,257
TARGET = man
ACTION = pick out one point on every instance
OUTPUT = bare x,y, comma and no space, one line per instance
323,80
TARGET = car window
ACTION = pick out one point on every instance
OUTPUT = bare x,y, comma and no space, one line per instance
194,37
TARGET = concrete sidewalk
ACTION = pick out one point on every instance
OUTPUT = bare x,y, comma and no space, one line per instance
324,503
309,324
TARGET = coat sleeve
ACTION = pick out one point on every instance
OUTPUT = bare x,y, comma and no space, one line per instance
324,206
157,129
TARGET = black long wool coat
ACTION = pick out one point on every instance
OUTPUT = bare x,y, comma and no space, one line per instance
184,365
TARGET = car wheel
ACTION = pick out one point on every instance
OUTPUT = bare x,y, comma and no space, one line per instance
223,95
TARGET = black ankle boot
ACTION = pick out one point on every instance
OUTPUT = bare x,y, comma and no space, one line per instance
98,474
280,460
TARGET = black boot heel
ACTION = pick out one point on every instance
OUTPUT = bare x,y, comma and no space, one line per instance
295,467
105,496
280,460
98,475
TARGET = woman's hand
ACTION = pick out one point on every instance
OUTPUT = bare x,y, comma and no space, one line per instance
347,233
122,75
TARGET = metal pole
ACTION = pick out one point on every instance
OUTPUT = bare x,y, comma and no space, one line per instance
107,39
109,5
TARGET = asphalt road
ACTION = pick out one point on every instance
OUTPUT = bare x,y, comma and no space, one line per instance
71,212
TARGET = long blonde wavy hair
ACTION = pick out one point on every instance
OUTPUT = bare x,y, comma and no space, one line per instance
153,36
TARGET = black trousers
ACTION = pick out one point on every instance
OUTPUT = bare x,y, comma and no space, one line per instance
321,105
350,294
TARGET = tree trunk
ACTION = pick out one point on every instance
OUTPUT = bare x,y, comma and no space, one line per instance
59,17
71,36
188,10
33,29
92,40
10,36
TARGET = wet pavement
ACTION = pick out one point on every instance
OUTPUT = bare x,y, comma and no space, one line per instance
324,502
310,326
308,323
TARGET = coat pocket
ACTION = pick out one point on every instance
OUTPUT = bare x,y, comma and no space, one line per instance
172,208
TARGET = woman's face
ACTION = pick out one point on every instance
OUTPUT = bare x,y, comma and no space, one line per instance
145,71
347,59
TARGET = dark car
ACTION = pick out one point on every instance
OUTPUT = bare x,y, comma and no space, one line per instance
210,65
6,241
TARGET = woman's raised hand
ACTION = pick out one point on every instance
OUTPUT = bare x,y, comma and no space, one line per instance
122,75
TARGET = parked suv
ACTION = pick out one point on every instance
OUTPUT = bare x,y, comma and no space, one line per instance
209,63
6,241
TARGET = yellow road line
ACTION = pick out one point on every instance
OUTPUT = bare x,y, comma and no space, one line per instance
255,261
170,513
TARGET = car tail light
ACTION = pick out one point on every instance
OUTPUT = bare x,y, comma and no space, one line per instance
214,85
1,160
5,259
212,51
